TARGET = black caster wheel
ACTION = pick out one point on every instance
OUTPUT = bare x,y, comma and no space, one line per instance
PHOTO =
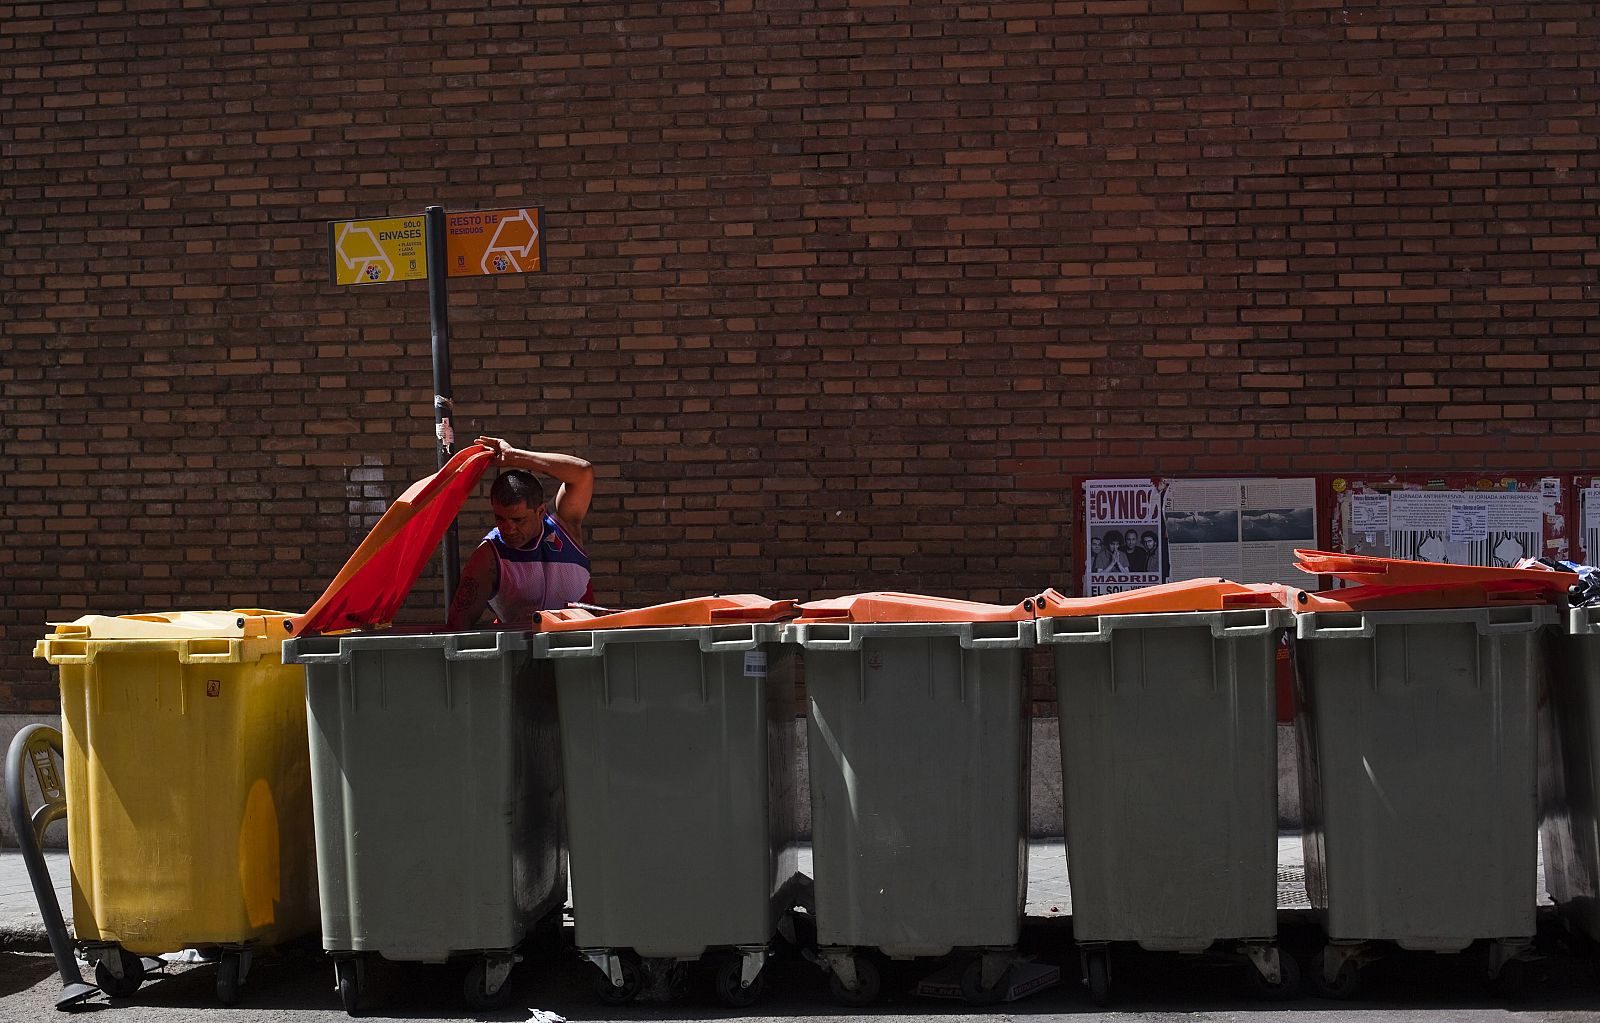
1511,981
731,990
1288,984
868,983
476,989
972,988
632,984
132,974
1342,987
230,969
1097,975
349,978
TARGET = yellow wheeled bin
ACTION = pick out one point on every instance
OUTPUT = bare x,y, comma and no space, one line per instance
188,789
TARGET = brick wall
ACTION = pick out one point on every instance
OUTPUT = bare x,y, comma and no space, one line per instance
839,295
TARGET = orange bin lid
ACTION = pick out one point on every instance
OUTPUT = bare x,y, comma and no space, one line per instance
887,607
726,609
1169,598
1423,596
1360,568
372,585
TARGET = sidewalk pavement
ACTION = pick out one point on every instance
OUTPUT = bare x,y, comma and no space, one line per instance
1049,893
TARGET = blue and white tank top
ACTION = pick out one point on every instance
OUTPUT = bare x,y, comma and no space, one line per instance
544,576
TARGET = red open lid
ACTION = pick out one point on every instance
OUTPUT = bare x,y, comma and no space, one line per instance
718,610
372,585
1423,596
1359,568
1168,598
883,607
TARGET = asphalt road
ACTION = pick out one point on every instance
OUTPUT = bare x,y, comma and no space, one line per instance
298,986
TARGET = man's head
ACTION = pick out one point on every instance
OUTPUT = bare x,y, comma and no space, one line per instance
1114,540
1149,540
518,503
1130,539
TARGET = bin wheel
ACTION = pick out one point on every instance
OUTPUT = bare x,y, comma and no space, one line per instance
972,988
125,985
632,984
347,976
228,970
868,983
476,989
1342,987
1288,984
730,987
1511,980
1097,967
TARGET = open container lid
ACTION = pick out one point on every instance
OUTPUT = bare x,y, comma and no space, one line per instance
1169,598
372,585
1360,568
1422,596
726,609
886,607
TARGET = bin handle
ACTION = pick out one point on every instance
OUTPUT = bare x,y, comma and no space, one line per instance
469,647
741,637
573,644
828,636
209,651
1325,623
315,650
994,635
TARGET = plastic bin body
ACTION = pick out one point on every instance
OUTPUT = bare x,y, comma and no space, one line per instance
918,756
678,757
1169,768
436,782
188,785
1417,769
1569,770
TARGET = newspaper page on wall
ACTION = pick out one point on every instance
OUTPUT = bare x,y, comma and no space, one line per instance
1243,530
1458,520
1122,530
1140,532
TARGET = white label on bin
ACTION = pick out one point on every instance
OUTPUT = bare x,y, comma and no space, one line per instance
1468,522
755,664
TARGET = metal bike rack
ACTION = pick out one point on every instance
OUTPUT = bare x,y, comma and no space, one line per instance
40,746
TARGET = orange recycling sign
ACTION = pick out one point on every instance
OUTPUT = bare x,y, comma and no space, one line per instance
494,242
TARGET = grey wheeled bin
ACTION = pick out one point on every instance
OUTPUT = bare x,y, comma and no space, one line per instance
917,747
1569,770
1169,773
1417,777
679,758
436,796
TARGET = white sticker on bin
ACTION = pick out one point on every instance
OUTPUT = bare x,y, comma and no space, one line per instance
755,664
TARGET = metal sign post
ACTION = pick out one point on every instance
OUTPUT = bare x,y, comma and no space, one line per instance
436,247
439,316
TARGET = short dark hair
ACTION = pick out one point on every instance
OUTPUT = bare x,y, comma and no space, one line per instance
517,486
1148,535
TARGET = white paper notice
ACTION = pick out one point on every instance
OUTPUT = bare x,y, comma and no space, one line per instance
1469,522
1369,513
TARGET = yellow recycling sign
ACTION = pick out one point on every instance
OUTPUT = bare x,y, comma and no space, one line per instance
378,251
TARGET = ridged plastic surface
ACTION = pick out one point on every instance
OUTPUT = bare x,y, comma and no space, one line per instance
918,753
1417,746
1169,768
1569,770
678,758
188,788
436,782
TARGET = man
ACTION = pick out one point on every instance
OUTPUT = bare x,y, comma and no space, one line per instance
1136,555
532,560
1152,552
